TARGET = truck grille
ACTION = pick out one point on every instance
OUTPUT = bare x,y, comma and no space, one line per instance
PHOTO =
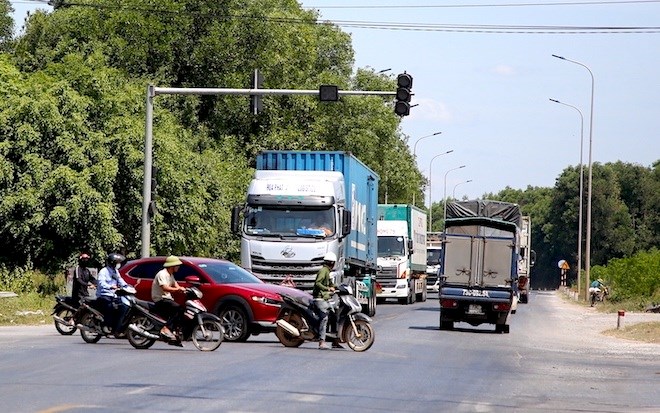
387,277
302,272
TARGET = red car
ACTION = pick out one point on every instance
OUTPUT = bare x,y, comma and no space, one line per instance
245,304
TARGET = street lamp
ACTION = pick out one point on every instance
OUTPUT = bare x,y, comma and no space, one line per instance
444,216
581,191
453,194
591,131
415,154
430,196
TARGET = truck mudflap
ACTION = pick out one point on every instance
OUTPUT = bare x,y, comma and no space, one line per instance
475,306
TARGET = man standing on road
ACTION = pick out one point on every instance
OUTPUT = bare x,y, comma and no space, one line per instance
161,293
323,288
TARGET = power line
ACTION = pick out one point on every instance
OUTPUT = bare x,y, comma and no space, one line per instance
427,27
456,6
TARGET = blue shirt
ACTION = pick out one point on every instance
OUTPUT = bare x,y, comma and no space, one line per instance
108,278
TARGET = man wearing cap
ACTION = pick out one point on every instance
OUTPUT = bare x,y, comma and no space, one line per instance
161,293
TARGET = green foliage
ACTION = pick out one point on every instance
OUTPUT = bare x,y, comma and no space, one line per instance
26,279
27,308
637,276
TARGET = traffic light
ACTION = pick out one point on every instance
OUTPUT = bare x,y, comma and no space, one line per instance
256,101
403,94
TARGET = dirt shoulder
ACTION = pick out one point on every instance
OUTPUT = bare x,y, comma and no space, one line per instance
633,326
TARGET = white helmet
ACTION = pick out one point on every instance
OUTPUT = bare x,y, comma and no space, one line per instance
330,257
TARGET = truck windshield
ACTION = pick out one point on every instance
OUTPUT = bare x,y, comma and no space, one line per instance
277,222
433,257
390,246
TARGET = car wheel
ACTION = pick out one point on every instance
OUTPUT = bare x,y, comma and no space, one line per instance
235,322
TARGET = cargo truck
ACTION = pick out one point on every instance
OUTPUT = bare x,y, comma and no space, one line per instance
479,265
300,206
401,253
526,262
433,251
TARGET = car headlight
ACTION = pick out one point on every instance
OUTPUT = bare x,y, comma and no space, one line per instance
266,301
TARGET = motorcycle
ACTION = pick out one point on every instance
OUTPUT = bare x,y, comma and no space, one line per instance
598,295
91,319
298,321
64,314
196,324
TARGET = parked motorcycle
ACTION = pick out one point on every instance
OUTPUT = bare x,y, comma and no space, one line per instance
598,294
91,319
64,314
196,324
298,321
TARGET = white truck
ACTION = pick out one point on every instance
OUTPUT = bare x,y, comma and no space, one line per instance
433,252
401,272
525,260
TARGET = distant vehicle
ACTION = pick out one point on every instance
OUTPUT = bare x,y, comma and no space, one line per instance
525,260
433,254
479,266
401,253
245,304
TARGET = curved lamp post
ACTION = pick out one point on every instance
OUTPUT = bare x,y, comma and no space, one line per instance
430,196
415,154
579,272
453,194
444,215
591,131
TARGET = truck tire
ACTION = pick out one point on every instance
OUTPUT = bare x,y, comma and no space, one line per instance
446,323
502,328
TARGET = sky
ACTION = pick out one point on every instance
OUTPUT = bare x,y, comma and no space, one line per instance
489,92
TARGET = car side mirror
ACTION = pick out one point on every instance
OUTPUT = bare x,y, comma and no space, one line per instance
193,279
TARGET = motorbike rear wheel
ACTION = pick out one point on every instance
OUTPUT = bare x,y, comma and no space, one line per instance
210,337
365,339
137,341
65,329
286,338
93,336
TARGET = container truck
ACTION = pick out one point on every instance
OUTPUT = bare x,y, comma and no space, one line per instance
479,264
433,251
401,253
300,206
526,262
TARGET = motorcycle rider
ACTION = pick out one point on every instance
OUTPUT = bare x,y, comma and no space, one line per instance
598,287
110,305
161,294
323,289
82,279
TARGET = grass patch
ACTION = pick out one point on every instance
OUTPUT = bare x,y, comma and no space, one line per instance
648,332
26,309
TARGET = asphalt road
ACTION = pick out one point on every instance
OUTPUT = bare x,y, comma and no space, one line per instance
553,360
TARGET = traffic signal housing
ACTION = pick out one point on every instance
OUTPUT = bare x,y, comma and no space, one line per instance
403,94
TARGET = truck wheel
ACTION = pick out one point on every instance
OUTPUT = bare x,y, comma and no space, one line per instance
502,328
446,323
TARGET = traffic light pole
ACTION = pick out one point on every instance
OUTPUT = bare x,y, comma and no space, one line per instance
153,91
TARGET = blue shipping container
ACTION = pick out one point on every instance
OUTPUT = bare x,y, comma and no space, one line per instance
361,191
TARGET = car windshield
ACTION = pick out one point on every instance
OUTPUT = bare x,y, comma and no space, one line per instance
228,273
278,222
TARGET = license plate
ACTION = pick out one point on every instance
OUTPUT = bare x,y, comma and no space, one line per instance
474,309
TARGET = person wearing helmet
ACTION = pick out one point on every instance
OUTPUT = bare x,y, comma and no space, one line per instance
108,282
323,289
82,279
161,293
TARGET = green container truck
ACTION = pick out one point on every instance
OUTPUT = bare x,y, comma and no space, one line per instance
401,272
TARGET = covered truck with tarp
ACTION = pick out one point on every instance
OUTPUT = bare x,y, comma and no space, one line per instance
479,263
